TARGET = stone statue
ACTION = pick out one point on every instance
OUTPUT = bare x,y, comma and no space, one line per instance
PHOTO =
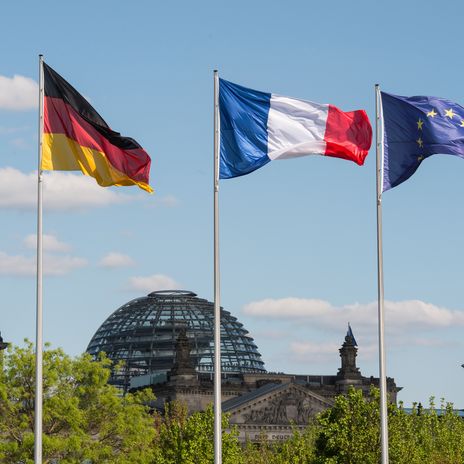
3,345
183,363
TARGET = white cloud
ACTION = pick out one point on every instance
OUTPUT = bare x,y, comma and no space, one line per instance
271,334
168,201
61,265
114,260
287,308
16,265
19,265
62,191
65,191
399,316
18,93
427,342
319,352
4,130
49,243
313,350
153,283
20,143
76,191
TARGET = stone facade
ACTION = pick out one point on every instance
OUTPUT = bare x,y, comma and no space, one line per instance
268,404
274,410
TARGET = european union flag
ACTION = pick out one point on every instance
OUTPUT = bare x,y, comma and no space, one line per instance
416,128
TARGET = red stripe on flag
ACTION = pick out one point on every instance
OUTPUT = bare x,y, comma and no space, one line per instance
61,118
348,135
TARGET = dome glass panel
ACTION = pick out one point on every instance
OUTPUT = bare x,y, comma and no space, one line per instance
142,334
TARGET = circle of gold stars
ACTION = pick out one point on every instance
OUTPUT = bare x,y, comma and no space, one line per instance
449,113
420,124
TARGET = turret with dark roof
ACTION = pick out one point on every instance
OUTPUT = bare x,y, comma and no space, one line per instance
349,372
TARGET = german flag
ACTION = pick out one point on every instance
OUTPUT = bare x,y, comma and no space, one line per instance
76,138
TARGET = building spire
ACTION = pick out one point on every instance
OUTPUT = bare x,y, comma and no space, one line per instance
348,353
349,334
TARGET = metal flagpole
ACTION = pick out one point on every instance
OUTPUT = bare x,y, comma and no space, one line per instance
217,293
382,375
39,341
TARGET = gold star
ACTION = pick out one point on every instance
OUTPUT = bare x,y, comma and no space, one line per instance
432,113
449,113
420,123
420,142
420,158
462,123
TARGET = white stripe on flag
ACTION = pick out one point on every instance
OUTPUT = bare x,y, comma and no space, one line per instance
295,127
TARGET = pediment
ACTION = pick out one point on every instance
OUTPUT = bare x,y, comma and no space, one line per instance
276,404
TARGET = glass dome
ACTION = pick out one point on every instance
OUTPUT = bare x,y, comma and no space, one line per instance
143,333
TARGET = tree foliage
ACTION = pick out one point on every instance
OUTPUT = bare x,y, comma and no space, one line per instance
83,416
427,437
349,433
189,439
298,449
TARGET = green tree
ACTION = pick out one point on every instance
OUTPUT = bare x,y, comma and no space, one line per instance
259,453
297,449
426,436
349,431
84,418
189,439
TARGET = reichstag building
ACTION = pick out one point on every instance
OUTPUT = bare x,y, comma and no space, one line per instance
165,341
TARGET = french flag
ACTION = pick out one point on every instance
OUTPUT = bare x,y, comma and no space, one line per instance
257,127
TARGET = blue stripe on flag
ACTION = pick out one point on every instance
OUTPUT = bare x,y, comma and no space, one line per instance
244,114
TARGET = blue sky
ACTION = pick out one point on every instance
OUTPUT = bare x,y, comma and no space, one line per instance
298,237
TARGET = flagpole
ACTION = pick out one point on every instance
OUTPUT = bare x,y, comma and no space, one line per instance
382,374
39,330
217,293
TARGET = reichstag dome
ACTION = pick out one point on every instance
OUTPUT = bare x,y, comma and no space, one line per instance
143,332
